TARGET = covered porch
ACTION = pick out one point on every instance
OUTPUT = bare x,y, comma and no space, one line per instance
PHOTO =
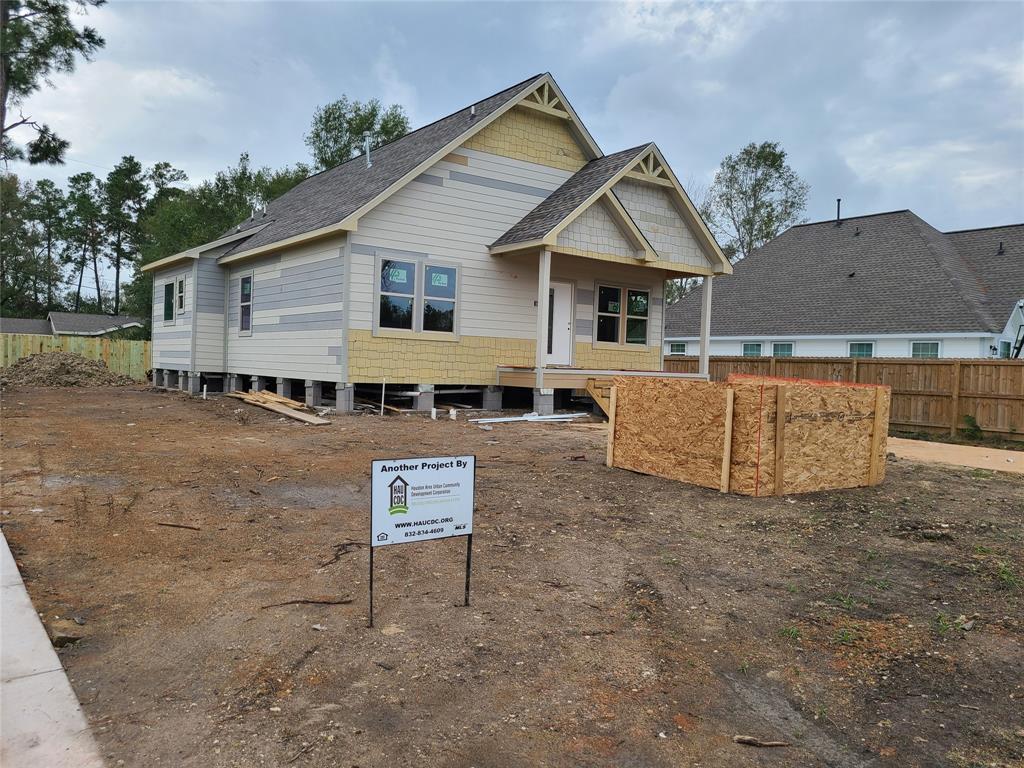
598,317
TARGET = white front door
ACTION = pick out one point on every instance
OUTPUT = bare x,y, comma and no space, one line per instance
559,349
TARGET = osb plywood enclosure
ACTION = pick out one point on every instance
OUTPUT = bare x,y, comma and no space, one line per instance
728,435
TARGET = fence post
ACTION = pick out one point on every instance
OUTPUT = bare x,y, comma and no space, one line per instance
853,373
954,420
771,366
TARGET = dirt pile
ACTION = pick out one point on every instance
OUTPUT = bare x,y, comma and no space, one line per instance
60,369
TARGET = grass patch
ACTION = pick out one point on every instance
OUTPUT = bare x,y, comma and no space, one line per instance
1006,578
790,633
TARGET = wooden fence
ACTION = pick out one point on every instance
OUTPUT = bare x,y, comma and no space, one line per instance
927,395
128,357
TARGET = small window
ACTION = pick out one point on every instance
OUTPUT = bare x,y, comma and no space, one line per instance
752,349
609,310
181,294
924,349
862,349
677,348
439,286
1004,349
168,302
637,304
245,305
397,293
782,349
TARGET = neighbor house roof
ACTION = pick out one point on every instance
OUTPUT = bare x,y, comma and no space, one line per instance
886,273
79,324
565,200
331,196
24,325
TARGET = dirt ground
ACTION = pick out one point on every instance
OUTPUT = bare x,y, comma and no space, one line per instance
616,619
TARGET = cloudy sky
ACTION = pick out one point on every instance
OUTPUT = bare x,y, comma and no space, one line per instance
887,105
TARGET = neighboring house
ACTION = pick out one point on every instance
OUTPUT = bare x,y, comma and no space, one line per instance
885,285
441,260
70,324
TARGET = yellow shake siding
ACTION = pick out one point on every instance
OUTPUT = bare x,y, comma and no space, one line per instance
470,360
603,358
523,134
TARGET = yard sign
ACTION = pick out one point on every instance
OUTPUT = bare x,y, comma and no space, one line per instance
421,499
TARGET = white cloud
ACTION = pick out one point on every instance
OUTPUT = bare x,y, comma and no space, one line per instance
106,104
392,87
692,29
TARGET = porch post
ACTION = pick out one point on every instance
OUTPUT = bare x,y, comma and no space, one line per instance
543,301
705,326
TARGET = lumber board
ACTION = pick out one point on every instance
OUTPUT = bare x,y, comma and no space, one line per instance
781,394
879,429
610,455
284,410
730,399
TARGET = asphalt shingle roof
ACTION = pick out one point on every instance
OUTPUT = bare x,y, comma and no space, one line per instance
77,322
24,325
884,273
330,196
568,197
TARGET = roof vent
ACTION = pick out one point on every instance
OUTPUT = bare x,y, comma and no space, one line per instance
366,148
1001,251
839,202
851,274
856,232
472,112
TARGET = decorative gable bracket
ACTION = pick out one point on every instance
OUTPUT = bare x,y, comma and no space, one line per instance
650,169
544,99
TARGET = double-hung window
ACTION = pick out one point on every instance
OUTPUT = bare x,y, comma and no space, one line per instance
862,349
245,305
622,322
417,296
439,298
752,349
924,349
168,302
397,293
1004,349
782,349
637,308
181,295
677,348
609,310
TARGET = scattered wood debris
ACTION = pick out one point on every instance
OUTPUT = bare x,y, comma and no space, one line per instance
312,601
278,404
181,525
753,741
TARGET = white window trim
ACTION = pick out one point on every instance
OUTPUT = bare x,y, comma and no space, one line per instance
622,315
179,295
760,348
420,264
672,344
252,295
792,348
849,344
937,342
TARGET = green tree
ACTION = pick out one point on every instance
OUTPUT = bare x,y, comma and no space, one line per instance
18,263
84,230
38,40
754,197
336,134
125,195
46,212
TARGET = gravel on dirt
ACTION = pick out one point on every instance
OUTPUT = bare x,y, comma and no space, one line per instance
60,369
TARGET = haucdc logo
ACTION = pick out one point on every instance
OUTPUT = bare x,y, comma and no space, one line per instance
399,490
